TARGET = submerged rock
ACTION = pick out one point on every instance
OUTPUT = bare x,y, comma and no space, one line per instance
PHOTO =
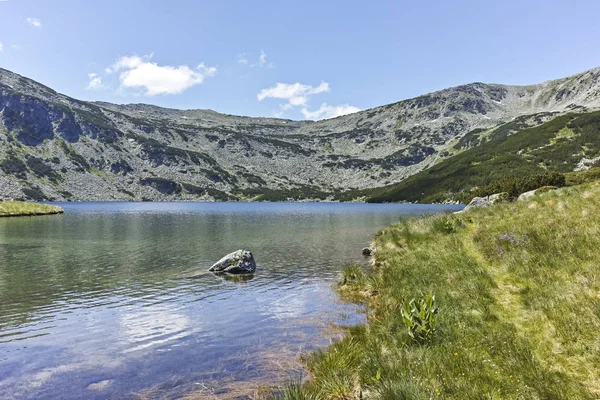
238,262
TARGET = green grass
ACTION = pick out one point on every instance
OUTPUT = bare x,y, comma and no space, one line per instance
518,290
21,208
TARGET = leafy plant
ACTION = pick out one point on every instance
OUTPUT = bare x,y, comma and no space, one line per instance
445,224
418,315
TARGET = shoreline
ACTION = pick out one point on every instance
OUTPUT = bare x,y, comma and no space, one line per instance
513,312
10,209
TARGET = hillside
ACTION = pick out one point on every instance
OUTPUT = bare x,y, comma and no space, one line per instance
515,313
566,143
59,148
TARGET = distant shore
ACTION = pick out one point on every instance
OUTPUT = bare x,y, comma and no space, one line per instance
22,208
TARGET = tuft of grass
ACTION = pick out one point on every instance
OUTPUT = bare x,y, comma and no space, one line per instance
518,285
21,208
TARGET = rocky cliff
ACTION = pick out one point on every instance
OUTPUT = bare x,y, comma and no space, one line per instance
58,148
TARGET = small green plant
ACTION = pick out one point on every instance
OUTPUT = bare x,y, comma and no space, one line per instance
445,224
418,315
351,273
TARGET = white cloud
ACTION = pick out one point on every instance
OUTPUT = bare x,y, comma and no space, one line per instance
138,71
242,59
326,111
295,93
1,47
262,61
95,81
35,22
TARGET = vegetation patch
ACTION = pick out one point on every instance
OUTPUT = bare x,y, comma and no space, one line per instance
164,186
81,165
297,193
121,167
41,169
21,208
35,193
216,194
14,166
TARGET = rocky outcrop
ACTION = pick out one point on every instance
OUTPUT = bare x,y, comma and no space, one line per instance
238,262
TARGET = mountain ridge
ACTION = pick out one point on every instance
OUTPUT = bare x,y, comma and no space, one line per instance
57,147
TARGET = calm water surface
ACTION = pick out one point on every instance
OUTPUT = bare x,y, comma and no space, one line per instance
110,300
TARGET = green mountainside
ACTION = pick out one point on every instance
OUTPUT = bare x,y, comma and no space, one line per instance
564,144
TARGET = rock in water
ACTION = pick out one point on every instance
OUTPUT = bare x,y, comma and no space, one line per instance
238,262
367,251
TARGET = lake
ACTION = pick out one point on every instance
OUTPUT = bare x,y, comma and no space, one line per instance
111,300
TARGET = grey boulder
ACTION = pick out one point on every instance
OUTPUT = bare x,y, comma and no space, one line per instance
526,195
238,262
485,201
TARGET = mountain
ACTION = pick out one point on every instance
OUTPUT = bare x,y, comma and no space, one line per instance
56,147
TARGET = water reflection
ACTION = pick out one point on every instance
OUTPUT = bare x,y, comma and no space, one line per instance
153,325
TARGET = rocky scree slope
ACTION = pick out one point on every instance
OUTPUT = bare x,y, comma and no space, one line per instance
54,147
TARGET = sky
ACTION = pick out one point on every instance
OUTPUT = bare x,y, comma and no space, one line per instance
291,59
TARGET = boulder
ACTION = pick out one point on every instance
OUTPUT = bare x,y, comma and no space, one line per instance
485,201
498,197
238,262
531,193
526,195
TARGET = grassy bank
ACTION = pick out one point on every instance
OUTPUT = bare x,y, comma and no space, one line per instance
518,291
21,208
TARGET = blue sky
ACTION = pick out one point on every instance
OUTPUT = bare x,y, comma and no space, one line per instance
303,59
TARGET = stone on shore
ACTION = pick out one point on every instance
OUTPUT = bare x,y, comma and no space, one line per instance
526,195
485,201
238,262
531,193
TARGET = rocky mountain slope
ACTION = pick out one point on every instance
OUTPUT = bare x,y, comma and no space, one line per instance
56,147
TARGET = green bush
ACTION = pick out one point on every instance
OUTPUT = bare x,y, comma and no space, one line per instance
418,315
514,186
